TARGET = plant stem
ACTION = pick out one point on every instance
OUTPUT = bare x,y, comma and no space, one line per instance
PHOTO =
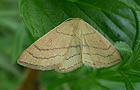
137,30
29,81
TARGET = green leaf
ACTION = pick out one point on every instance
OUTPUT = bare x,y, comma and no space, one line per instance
135,4
17,42
135,58
60,81
102,86
7,66
8,83
8,12
41,16
137,35
9,23
123,47
128,83
73,0
134,73
99,4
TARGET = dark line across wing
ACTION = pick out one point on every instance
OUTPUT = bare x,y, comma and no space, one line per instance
64,33
72,34
104,63
56,48
97,47
44,57
72,47
51,56
109,62
100,54
73,56
39,65
70,66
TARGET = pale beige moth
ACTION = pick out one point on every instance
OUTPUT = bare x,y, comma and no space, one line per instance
68,46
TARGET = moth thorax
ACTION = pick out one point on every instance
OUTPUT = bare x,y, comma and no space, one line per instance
76,29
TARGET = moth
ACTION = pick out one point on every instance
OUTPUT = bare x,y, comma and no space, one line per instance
68,46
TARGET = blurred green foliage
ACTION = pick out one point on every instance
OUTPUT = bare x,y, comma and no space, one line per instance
117,20
10,24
